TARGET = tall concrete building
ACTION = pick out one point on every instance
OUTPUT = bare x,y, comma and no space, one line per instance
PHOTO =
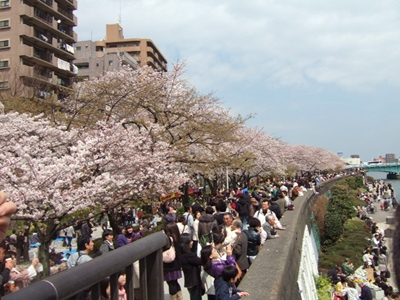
37,46
109,53
90,63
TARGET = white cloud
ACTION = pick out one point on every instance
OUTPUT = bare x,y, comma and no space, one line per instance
255,49
289,42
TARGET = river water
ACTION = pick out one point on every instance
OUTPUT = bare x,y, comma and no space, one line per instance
394,182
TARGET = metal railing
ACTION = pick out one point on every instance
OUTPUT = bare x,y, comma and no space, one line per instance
63,285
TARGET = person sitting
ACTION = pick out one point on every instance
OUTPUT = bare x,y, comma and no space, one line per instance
225,287
35,270
336,274
347,267
366,293
350,291
19,275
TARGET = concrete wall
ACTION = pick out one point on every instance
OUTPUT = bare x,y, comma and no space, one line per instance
274,273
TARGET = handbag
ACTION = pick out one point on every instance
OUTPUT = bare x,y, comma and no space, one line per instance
170,254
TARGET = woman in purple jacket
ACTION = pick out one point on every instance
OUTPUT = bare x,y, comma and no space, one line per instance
121,238
214,264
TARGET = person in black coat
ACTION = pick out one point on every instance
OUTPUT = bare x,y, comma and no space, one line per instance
243,209
253,238
190,264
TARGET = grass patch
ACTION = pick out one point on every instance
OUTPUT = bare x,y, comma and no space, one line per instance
351,245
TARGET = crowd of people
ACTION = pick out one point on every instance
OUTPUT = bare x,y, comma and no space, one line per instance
372,276
217,241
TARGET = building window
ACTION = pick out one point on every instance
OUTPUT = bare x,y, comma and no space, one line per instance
4,64
4,23
4,43
110,62
97,64
4,85
4,3
78,48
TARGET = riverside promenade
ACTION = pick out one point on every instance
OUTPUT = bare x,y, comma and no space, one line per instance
379,216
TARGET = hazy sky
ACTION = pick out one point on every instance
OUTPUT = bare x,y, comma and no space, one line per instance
314,72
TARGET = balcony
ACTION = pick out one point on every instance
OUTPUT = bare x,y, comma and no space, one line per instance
32,56
44,16
128,60
35,37
35,17
36,77
64,68
38,18
66,31
66,16
47,2
42,4
70,4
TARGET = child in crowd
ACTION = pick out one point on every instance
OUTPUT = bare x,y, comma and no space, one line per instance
121,288
225,286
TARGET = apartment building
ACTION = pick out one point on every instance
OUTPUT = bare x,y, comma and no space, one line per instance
95,58
37,46
90,63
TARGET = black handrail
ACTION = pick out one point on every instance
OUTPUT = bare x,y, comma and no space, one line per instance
90,274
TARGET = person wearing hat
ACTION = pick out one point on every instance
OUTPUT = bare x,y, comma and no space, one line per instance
347,267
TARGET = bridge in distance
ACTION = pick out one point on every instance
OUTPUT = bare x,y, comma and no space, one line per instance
393,169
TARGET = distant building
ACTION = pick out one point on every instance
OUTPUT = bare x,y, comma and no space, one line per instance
380,159
95,58
92,64
352,160
355,156
37,46
391,158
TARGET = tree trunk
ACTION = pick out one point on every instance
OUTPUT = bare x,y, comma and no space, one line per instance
44,257
26,245
113,222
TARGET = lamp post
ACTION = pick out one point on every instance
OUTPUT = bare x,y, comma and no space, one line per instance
227,179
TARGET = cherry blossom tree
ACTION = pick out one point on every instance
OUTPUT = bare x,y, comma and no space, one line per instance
310,159
50,172
145,96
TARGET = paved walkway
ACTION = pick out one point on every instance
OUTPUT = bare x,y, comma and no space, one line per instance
380,218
